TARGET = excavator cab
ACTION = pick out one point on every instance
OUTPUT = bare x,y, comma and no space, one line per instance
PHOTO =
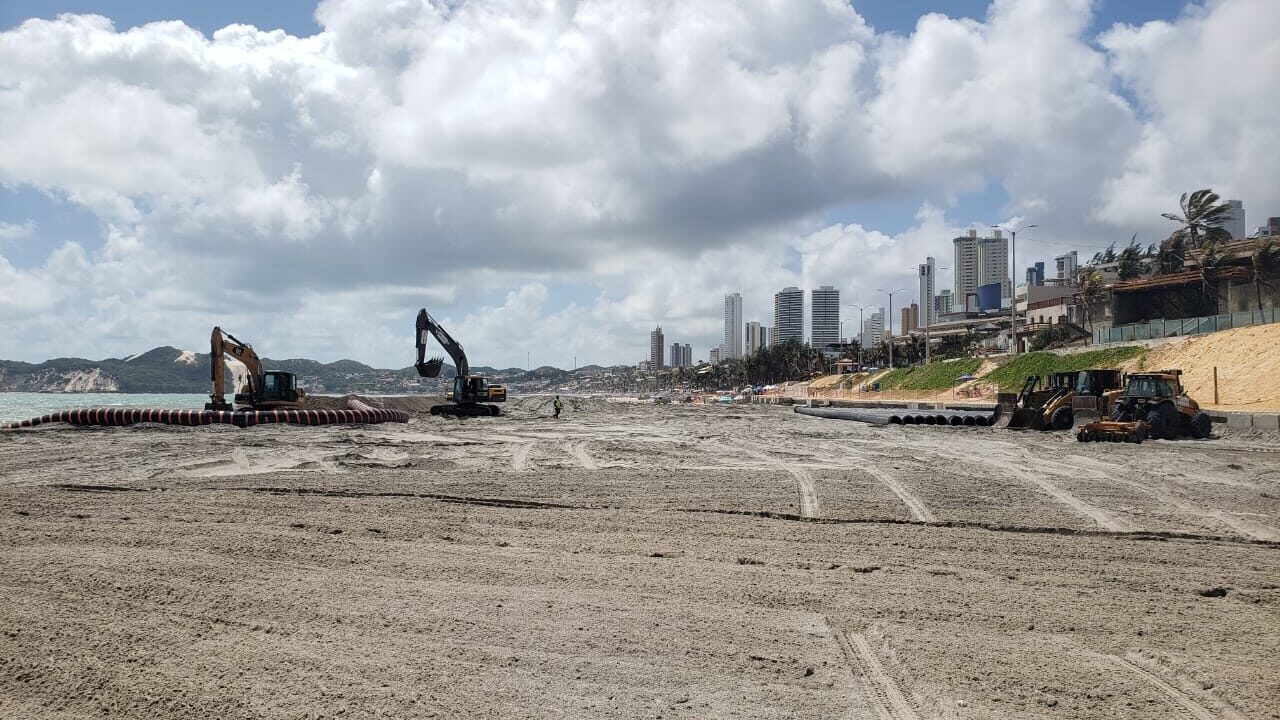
279,385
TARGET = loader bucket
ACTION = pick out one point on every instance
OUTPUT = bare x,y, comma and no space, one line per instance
1022,418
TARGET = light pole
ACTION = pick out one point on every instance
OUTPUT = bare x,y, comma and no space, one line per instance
1013,280
859,334
888,322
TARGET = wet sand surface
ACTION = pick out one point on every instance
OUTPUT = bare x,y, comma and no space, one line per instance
632,561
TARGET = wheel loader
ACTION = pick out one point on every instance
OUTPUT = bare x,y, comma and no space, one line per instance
1152,405
1067,397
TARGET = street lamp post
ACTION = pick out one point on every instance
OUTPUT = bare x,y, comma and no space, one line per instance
1013,280
859,334
889,320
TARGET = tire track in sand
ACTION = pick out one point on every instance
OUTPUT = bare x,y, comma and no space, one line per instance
918,509
881,692
579,451
805,489
1182,701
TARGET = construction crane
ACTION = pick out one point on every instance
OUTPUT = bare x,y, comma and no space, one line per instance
470,393
255,388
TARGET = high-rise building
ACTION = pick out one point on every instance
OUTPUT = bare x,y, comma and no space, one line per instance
942,303
1067,265
788,315
714,356
910,318
824,317
732,345
927,314
966,263
993,262
1035,275
1234,219
656,348
1273,226
755,337
872,329
982,261
677,355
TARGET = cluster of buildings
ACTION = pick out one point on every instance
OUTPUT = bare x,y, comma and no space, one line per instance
982,297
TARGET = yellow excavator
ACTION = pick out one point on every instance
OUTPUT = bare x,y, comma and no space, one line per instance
471,393
255,388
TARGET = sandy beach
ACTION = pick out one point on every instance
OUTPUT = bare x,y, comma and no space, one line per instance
636,561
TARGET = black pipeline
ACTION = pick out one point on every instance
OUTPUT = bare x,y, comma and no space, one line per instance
907,416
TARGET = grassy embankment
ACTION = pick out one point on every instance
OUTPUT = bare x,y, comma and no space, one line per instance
934,376
1011,375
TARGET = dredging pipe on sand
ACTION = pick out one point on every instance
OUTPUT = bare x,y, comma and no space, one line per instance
906,416
356,413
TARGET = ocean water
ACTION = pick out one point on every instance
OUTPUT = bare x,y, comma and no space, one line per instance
20,405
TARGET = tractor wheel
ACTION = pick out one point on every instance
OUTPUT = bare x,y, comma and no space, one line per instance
1172,420
1201,425
1062,419
1082,436
1156,421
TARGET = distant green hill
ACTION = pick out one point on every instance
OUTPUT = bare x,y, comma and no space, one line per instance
170,370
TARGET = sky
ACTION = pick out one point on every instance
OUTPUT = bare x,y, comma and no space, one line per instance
554,179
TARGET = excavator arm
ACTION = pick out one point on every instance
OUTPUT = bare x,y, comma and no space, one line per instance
221,345
431,368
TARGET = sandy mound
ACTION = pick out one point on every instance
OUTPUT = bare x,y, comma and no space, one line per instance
412,404
1248,362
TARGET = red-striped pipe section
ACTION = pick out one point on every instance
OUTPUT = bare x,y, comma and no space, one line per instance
357,413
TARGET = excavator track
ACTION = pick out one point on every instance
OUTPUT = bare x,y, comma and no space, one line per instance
467,410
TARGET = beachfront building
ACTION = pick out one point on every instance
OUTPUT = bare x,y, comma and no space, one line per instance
714,356
925,303
756,337
981,261
788,316
872,329
1067,265
824,316
656,349
732,345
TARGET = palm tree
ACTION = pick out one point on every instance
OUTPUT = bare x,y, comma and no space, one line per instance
1266,264
1090,293
1130,260
1202,219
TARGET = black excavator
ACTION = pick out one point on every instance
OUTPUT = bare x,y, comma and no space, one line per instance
471,394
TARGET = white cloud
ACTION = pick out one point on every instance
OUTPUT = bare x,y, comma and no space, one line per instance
558,178
16,231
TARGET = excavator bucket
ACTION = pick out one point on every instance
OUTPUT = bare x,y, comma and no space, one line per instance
430,368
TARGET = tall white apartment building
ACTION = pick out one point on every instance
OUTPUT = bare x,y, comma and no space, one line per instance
824,317
756,337
788,315
1067,265
872,329
732,345
981,261
927,313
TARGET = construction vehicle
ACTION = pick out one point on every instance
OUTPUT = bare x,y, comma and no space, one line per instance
470,393
255,388
1155,405
1067,395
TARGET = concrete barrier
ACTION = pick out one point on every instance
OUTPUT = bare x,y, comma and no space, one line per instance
1266,422
1239,421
